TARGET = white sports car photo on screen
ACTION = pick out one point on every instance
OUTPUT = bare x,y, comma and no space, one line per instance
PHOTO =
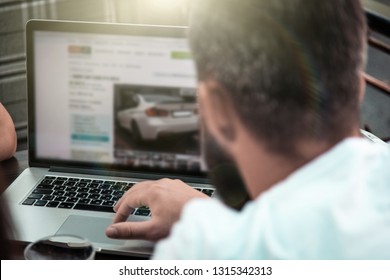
150,113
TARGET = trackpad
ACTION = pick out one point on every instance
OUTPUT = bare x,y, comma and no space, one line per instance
92,228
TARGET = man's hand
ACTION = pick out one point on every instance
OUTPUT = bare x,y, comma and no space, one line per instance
165,199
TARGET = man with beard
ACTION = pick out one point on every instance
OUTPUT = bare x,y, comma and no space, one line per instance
280,89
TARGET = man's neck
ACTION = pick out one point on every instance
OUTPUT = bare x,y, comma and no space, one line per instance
262,169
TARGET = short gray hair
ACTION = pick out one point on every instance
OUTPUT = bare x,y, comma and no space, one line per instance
290,67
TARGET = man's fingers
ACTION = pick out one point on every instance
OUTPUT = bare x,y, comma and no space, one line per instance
122,212
156,195
126,204
118,204
130,230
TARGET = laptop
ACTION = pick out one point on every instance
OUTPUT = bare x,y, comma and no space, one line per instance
109,105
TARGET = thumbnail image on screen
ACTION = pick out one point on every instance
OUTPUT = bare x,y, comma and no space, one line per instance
156,127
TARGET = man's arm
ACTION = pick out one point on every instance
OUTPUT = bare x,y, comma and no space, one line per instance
165,199
7,135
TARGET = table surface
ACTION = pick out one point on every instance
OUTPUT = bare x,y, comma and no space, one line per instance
9,170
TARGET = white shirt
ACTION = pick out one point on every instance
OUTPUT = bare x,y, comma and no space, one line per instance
335,207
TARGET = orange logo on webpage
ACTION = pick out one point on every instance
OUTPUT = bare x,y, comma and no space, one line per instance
79,49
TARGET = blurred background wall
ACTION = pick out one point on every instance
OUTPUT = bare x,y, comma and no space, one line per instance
14,14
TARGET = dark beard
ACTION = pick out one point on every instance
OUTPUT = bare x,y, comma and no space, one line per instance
223,173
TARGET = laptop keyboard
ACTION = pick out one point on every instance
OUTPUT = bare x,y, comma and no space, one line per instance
84,194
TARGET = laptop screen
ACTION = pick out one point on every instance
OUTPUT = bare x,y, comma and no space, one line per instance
124,101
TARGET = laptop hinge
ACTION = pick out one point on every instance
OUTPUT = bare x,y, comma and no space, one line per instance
136,175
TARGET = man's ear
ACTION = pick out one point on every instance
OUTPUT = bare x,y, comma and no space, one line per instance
218,112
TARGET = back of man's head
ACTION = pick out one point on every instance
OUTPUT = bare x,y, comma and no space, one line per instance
291,68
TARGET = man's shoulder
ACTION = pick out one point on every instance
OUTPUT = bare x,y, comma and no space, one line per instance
338,166
353,165
332,203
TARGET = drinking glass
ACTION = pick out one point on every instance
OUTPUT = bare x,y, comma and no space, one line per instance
60,247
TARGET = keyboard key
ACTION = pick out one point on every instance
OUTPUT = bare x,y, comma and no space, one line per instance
96,201
120,185
29,202
86,180
52,204
142,212
40,203
94,191
47,181
59,188
104,186
62,178
94,185
106,192
94,196
73,179
84,201
48,197
97,181
60,198
49,177
70,183
106,197
72,199
116,197
82,195
108,203
208,192
117,187
70,194
83,190
109,182
128,187
42,191
119,193
100,208
66,205
45,186
71,189
198,189
35,196
59,193
58,182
